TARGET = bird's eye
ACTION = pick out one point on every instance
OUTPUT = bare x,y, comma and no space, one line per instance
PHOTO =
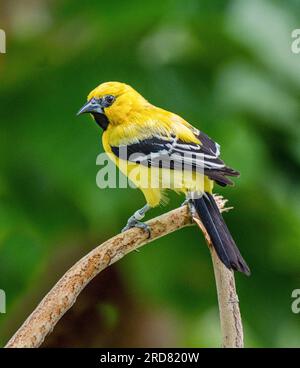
108,100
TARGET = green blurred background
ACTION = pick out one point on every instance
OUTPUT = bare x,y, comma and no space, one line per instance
227,67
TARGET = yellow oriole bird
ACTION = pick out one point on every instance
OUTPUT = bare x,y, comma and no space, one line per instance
147,142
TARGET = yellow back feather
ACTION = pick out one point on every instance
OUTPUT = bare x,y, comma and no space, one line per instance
133,118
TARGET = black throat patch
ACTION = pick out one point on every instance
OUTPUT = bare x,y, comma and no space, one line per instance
101,120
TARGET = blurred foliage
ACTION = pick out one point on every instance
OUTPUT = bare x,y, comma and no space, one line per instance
227,67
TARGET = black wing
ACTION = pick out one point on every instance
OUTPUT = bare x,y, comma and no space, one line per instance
174,153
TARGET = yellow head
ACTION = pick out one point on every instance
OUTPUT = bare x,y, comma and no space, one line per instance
112,103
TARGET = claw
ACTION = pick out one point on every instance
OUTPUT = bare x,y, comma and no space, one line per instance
139,224
190,205
134,220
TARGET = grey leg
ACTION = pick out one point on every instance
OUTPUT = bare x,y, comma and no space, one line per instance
134,220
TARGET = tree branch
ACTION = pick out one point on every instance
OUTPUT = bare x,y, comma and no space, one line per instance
230,316
63,295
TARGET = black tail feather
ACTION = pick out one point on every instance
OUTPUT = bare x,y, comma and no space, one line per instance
221,238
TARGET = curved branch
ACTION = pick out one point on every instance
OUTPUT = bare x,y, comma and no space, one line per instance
63,295
230,316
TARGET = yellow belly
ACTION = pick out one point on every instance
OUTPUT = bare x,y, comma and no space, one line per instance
153,182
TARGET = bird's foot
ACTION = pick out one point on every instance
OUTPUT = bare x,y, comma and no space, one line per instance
188,202
133,222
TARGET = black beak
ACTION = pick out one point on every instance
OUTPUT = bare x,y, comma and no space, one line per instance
93,106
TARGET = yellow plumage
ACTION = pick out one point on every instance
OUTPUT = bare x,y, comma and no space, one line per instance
163,151
132,119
